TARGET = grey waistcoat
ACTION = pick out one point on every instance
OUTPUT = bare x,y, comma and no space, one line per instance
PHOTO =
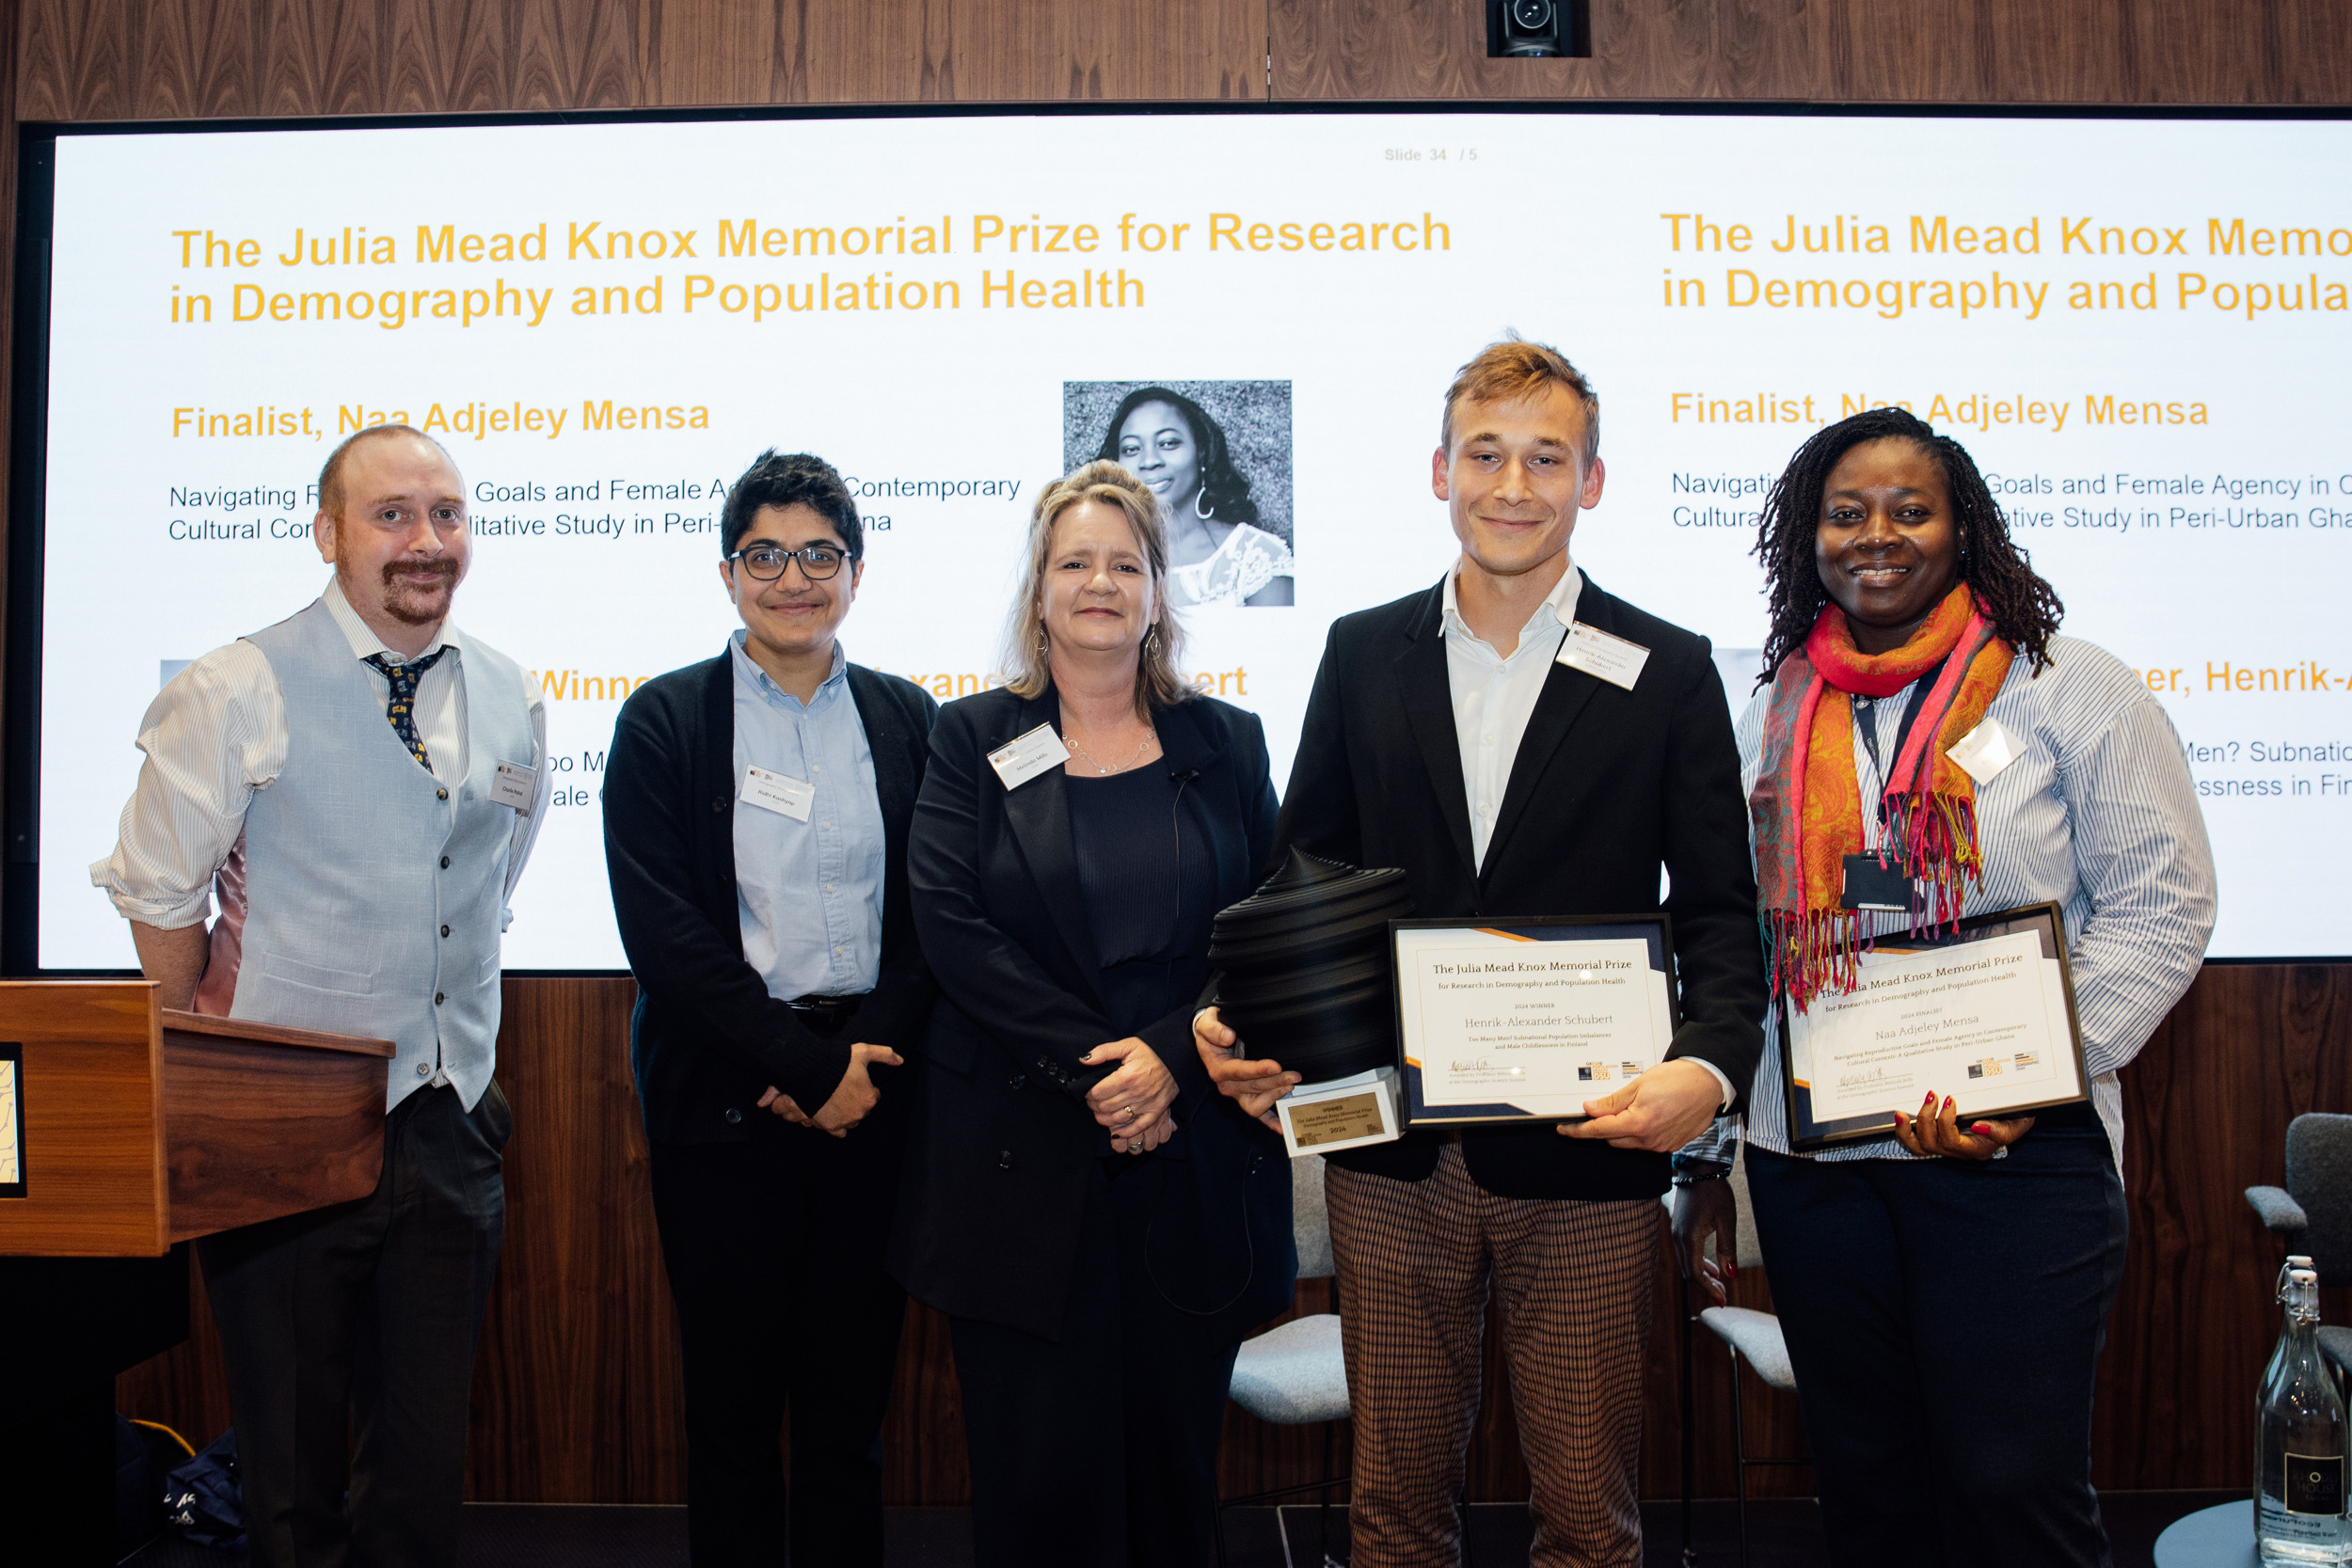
373,904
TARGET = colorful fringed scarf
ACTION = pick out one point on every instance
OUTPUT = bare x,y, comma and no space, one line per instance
1807,808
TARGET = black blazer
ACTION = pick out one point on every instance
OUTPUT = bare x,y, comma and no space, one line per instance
1608,786
996,1174
706,1038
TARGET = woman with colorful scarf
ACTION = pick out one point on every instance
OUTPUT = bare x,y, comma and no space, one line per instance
1944,1290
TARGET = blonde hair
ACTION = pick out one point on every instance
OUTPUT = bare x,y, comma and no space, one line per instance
1513,368
1026,659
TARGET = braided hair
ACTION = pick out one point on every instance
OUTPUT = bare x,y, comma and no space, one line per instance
2022,607
1224,489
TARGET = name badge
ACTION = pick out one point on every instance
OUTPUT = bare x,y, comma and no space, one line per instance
1019,761
778,792
1984,751
1596,653
1871,885
514,786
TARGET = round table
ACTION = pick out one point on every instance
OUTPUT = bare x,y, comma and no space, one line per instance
2219,1537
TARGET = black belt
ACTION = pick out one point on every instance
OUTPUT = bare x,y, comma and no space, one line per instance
825,1014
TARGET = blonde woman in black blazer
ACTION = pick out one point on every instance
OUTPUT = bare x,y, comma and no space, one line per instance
1102,1226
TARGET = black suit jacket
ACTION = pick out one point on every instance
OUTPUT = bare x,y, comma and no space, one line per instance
1608,786
997,1163
706,1038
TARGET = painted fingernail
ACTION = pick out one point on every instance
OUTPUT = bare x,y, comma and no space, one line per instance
1898,1121
1981,1128
1949,1103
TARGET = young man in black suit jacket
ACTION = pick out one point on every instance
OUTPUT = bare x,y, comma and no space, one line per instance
1443,736
755,812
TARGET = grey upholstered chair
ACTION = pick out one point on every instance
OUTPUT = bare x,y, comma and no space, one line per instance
1752,1338
1294,1374
2312,1213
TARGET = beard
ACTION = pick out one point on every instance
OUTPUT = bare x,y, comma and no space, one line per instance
414,604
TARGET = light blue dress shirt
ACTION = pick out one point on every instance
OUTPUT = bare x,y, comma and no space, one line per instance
809,893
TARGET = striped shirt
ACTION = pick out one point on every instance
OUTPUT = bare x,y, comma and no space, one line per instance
2098,814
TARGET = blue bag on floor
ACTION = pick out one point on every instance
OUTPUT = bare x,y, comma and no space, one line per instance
201,1500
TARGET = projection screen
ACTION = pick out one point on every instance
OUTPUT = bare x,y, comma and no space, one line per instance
2138,325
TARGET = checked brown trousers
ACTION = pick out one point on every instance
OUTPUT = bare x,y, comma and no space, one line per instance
1415,1261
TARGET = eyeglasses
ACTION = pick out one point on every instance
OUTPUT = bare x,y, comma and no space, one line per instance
766,561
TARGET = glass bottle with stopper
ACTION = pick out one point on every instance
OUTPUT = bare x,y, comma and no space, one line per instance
2287,1281
2300,1464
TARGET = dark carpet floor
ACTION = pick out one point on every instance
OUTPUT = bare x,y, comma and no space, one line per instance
1782,1534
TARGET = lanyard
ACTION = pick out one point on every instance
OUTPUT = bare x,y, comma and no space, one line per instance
1865,719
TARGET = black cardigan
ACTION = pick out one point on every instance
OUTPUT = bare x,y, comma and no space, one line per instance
706,1038
997,1161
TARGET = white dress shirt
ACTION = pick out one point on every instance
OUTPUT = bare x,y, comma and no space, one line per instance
1494,696
217,732
1493,699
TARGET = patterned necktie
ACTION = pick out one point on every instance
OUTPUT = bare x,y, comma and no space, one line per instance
402,710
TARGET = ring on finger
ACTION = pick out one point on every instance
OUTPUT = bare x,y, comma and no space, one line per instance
1127,1112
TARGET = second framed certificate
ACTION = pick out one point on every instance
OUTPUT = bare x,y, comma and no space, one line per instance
1527,1020
1984,1014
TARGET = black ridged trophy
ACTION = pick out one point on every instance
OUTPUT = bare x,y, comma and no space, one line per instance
1307,976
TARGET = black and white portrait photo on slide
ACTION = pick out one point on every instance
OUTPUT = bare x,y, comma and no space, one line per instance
1218,454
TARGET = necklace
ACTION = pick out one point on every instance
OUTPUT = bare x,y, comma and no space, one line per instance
1148,737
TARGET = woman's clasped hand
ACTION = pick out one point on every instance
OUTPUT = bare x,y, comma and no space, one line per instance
1138,1100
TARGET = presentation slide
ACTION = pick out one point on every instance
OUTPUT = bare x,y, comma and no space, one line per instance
2139,327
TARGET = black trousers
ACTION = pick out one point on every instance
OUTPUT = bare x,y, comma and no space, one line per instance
359,1322
1943,1320
1099,1449
774,1249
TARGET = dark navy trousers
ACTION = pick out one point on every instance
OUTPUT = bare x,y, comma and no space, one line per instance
774,1250
349,1333
1943,1320
1098,1450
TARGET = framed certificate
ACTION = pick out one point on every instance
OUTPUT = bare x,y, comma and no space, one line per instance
1527,1020
1984,1014
12,1118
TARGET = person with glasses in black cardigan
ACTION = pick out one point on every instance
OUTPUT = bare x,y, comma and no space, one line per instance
756,809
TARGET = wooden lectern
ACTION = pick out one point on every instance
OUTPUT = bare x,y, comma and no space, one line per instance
125,1130
139,1126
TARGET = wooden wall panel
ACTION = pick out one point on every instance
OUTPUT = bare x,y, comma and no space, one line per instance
575,1389
1859,51
2207,1106
112,59
937,51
